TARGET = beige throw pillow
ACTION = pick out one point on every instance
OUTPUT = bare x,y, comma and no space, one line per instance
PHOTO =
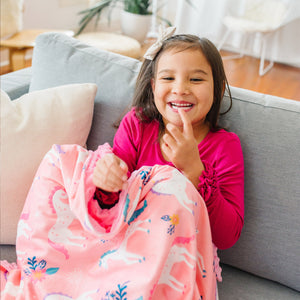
30,126
11,17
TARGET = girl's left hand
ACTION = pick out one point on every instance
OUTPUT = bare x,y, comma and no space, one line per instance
181,147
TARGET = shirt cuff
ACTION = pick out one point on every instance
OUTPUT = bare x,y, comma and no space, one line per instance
105,199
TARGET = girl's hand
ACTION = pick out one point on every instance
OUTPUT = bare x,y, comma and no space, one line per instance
110,173
182,149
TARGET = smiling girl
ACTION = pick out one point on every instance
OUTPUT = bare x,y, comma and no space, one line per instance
174,121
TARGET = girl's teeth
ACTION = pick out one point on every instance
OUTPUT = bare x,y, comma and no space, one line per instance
177,105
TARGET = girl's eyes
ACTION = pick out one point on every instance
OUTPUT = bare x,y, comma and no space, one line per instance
196,79
192,79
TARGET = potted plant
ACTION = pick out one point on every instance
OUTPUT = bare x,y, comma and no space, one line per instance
140,10
136,18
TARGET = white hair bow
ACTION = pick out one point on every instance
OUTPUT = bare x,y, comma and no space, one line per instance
163,34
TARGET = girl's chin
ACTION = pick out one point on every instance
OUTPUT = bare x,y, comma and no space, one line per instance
174,121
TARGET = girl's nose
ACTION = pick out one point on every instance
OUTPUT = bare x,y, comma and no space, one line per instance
180,87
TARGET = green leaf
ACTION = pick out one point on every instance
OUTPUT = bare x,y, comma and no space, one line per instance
51,271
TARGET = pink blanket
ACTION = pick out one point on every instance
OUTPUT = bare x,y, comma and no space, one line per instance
154,244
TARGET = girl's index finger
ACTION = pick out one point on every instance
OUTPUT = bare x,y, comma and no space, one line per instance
187,124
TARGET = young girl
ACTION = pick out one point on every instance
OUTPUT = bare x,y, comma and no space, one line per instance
174,121
181,183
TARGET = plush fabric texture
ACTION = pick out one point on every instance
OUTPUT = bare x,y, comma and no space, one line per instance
30,125
76,62
150,231
269,132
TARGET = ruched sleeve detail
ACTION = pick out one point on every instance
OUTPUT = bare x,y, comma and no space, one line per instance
207,181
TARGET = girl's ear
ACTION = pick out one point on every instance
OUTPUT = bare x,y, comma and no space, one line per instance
152,84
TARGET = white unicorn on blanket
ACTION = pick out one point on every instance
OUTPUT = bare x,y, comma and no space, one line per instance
176,185
59,296
60,235
23,228
121,253
176,255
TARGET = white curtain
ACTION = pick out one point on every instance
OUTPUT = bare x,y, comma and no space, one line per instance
205,19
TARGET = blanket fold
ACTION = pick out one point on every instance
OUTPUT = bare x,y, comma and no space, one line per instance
155,243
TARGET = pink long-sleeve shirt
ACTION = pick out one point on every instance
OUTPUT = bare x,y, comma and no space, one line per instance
221,184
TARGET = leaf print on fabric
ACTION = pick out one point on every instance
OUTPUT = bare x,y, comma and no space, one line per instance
51,271
145,176
32,263
37,270
121,291
119,294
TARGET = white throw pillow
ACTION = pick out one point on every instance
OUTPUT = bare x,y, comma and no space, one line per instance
30,126
11,17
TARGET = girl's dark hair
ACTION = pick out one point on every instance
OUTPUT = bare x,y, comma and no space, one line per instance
143,98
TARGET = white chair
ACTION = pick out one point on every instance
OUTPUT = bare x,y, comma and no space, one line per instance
263,17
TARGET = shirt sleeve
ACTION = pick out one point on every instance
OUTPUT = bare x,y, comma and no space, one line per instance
127,140
222,188
105,199
126,148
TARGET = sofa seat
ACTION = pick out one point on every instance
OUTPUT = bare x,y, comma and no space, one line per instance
240,285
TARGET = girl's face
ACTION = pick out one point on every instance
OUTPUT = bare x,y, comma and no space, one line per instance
183,80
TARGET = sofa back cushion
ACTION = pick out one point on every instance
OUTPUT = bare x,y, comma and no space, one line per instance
269,129
59,59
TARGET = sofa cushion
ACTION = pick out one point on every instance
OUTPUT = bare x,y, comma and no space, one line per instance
16,84
269,129
237,285
30,125
8,253
76,62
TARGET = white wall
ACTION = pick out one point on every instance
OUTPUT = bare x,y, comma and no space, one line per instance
57,14
53,14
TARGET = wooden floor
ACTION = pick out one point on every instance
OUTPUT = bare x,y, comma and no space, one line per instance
282,80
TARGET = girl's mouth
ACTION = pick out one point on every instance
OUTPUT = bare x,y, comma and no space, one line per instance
177,105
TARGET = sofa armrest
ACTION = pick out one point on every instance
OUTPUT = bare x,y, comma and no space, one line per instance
16,84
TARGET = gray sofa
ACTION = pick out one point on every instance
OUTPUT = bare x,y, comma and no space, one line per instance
265,262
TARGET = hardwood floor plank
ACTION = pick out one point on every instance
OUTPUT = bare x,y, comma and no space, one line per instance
282,80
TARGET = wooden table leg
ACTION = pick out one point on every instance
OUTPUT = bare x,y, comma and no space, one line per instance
17,58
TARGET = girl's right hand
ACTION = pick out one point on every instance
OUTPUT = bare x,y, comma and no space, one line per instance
110,173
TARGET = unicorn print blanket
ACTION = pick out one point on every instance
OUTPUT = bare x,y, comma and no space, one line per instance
154,244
